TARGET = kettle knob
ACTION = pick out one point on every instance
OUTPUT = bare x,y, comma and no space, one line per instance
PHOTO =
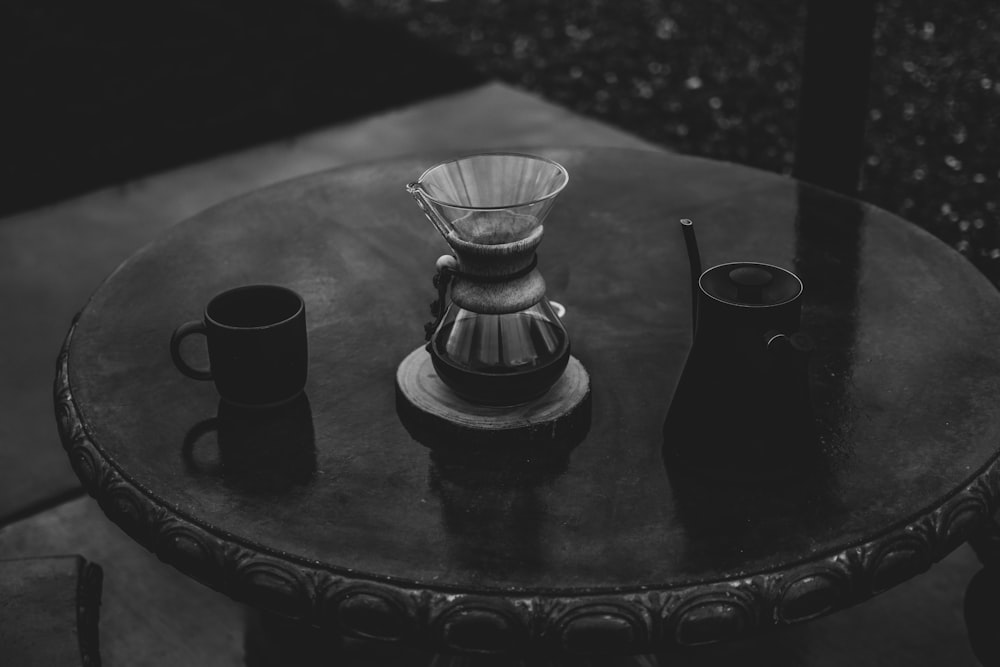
750,282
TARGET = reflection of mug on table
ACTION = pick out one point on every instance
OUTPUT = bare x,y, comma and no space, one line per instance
259,450
257,348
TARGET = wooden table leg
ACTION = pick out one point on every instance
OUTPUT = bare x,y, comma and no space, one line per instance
982,596
272,641
986,543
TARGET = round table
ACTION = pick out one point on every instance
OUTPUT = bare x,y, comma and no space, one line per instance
341,518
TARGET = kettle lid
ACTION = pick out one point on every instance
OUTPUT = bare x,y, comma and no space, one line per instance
750,284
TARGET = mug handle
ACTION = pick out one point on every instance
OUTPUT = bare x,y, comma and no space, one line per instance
180,333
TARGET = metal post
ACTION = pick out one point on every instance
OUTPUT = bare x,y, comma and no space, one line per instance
833,104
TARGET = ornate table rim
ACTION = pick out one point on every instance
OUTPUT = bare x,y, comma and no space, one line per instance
624,621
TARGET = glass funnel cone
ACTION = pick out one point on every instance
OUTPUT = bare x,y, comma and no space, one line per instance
490,198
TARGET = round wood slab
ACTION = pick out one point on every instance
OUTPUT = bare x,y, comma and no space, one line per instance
443,418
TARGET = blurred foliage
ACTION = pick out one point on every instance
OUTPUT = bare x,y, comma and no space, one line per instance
720,79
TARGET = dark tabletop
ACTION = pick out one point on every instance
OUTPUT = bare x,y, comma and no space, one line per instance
905,380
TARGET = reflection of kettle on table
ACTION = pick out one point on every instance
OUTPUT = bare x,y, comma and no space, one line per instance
742,401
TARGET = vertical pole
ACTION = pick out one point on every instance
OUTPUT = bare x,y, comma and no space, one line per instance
833,104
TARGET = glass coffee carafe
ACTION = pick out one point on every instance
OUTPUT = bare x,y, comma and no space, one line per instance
498,341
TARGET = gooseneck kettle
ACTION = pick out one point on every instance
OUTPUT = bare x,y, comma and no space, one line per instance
742,401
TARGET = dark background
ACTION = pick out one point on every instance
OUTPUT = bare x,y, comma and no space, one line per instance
101,92
97,93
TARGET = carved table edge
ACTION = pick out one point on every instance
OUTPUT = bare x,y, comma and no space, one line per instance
625,622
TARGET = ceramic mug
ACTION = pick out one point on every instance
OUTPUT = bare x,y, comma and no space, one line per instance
257,349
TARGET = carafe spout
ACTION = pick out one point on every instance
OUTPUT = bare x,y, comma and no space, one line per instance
417,191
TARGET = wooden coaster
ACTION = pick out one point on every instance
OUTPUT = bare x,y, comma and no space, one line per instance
437,416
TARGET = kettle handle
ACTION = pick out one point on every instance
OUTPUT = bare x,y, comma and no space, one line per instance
778,343
790,353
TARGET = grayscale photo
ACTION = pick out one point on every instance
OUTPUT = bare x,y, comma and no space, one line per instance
500,333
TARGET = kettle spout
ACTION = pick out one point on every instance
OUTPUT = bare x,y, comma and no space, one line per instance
694,261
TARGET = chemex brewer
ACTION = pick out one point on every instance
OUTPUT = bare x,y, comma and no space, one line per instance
498,340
